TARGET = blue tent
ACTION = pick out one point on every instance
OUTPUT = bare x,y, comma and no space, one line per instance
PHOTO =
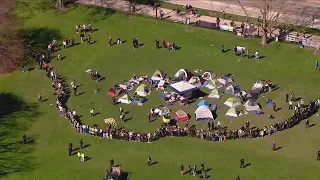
203,103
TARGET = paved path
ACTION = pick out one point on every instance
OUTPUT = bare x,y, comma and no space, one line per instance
303,10
171,15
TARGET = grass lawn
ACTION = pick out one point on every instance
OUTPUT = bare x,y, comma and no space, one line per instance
46,158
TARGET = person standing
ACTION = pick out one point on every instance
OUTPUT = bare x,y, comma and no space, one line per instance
64,44
81,144
290,104
242,52
149,117
292,96
70,148
24,66
235,50
157,44
273,145
77,28
257,55
148,161
79,156
181,169
110,41
307,123
111,162
119,40
318,158
82,157
203,169
241,163
122,117
24,137
72,41
74,87
90,27
274,107
81,36
40,98
248,54
91,112
287,97
238,177
316,66
89,39
222,48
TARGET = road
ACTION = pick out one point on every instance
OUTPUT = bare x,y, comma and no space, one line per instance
308,7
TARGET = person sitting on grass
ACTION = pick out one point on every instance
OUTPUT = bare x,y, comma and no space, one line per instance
174,47
163,44
168,45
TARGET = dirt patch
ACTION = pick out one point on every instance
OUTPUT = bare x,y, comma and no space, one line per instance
11,43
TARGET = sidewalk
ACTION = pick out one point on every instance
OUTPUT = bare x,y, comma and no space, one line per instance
313,41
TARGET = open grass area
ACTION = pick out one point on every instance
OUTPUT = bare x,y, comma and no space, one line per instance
46,157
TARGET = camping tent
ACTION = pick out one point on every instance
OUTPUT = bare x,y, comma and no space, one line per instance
180,115
225,79
253,94
165,120
164,111
142,90
251,105
214,94
232,102
125,99
203,103
196,81
181,75
157,75
232,112
182,87
203,114
213,84
258,85
232,90
115,91
208,75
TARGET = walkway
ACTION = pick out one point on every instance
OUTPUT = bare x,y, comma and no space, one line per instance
311,40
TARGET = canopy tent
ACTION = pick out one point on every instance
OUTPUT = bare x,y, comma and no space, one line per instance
251,105
157,75
232,102
181,75
203,103
164,111
125,99
240,49
232,112
115,91
180,115
182,87
142,90
203,114
232,90
196,81
215,94
213,84
165,120
208,75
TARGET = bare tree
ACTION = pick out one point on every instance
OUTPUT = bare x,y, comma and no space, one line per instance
59,4
272,13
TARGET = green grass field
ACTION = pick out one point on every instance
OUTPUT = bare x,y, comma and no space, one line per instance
46,158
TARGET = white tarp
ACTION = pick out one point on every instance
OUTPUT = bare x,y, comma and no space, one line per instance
182,86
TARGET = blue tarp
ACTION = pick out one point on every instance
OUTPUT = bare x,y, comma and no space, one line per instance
203,103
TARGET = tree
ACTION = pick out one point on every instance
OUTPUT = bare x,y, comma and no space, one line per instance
272,12
59,4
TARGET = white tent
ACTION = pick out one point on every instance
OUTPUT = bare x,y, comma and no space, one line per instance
157,75
125,99
230,90
196,81
232,102
181,75
257,85
232,112
203,112
164,111
142,91
214,94
213,84
225,80
182,87
251,106
208,75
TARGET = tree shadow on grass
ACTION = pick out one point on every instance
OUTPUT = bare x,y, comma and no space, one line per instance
16,116
38,39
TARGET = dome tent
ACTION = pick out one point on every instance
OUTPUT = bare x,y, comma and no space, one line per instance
157,75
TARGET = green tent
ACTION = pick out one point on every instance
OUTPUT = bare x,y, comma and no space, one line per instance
214,94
